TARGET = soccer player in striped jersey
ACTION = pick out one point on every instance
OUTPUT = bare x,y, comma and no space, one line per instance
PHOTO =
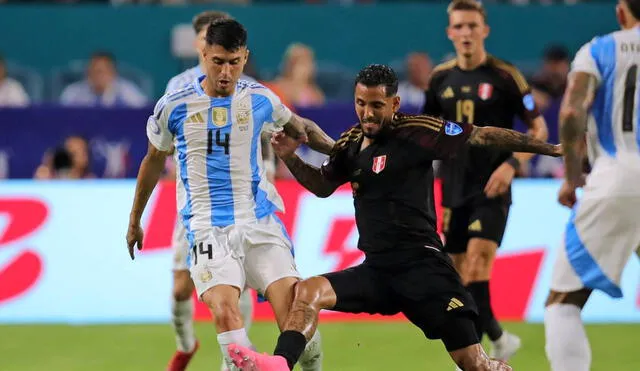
181,305
604,228
225,201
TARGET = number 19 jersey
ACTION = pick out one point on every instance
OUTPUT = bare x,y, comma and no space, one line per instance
220,178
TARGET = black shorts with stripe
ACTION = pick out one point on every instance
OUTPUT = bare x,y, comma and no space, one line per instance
425,288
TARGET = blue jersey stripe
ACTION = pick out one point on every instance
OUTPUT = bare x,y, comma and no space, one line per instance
177,116
603,51
219,167
584,264
262,109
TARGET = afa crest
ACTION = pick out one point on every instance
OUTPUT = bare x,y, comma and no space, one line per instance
219,116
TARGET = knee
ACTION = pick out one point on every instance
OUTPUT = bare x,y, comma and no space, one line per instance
308,292
477,266
182,287
226,314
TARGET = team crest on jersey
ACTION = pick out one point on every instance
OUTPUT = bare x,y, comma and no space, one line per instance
485,90
379,162
242,117
219,116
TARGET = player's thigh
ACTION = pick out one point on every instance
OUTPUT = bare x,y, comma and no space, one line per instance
601,236
213,261
432,295
268,255
361,289
455,221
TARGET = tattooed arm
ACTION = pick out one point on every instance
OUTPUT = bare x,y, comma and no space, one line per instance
299,127
511,140
573,121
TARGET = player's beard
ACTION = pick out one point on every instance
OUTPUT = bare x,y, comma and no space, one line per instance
381,123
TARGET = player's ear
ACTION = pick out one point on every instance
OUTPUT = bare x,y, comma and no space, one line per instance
246,56
449,33
620,15
487,30
396,103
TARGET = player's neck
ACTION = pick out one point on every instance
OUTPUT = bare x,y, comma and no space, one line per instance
366,142
472,62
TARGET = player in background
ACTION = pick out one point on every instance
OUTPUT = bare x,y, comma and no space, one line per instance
225,201
388,158
481,89
182,308
604,228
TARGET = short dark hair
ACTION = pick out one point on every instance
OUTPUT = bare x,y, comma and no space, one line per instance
634,7
102,54
379,74
202,20
556,53
228,33
470,5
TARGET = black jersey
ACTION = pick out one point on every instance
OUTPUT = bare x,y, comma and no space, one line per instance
493,94
392,180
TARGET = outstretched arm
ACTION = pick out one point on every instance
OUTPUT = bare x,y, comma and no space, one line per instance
511,140
300,127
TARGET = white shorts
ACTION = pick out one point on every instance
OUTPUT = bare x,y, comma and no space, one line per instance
601,235
181,247
253,255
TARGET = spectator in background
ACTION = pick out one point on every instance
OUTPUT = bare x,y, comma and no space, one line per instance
71,161
296,85
555,68
411,91
103,87
12,93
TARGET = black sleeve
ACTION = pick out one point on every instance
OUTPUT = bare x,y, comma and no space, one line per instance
440,137
334,168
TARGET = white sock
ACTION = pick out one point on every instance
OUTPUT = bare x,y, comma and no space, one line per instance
233,337
246,308
182,319
567,345
311,358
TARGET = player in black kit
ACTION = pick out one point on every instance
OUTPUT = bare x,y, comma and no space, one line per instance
476,185
387,159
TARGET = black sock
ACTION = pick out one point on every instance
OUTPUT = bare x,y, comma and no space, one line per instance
494,331
290,346
486,322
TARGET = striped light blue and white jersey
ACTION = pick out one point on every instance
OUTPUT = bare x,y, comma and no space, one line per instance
220,178
185,78
613,128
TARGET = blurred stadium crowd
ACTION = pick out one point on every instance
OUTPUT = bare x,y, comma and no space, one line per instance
301,81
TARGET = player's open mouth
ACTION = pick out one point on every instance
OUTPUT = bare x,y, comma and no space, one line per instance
224,83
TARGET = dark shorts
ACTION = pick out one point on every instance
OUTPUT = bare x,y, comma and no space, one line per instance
485,220
427,290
